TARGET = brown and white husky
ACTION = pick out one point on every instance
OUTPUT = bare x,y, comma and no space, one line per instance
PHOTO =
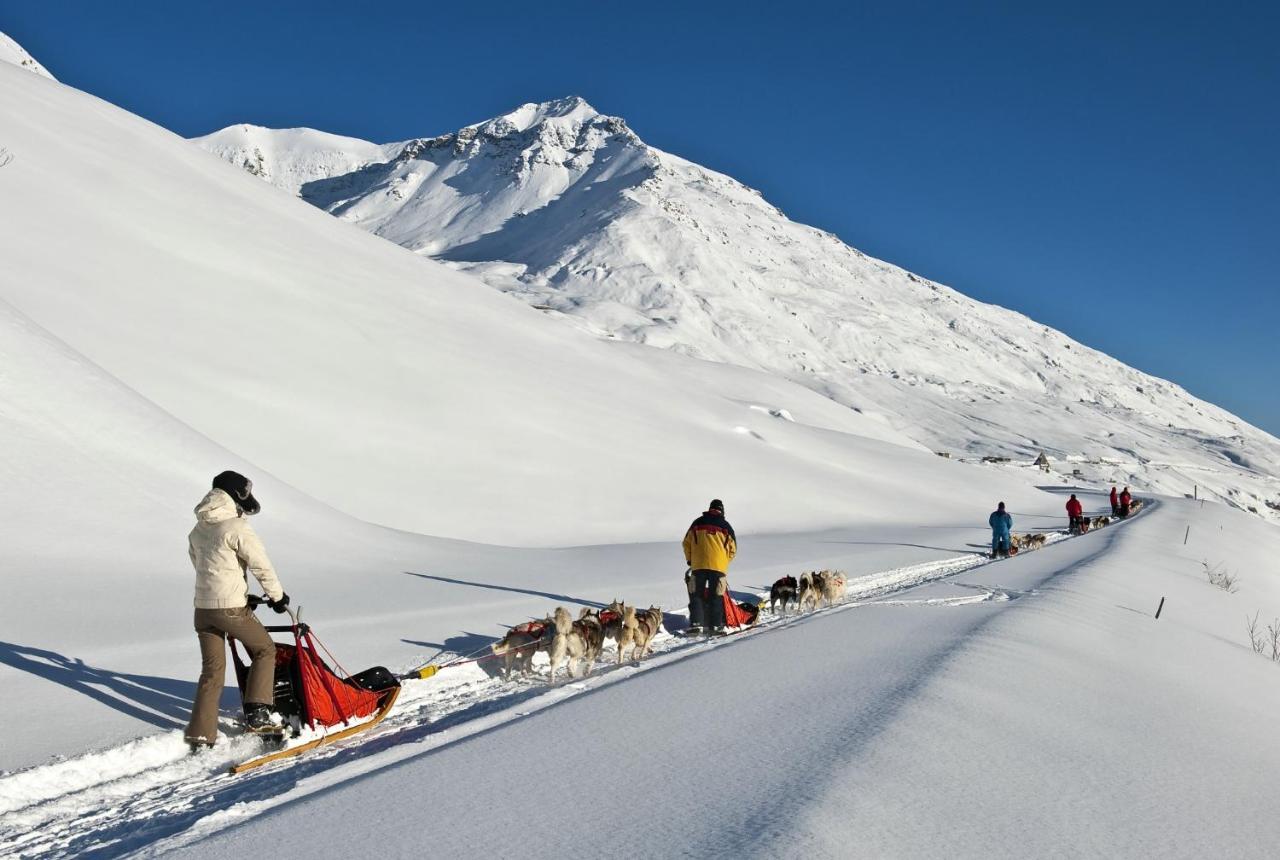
568,642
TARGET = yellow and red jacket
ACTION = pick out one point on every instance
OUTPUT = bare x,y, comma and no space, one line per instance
710,543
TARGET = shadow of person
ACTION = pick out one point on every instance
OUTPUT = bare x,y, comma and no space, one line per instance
162,702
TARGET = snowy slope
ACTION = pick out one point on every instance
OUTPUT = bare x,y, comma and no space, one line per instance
163,316
292,158
1032,707
387,385
12,52
571,211
1062,722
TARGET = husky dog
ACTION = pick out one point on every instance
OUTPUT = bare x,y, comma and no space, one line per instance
592,631
629,634
648,623
1135,506
567,642
611,620
1035,541
521,643
784,591
833,586
810,591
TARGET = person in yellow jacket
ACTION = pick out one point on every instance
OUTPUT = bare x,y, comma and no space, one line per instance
709,546
224,550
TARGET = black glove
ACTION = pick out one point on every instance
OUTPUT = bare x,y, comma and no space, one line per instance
279,605
256,600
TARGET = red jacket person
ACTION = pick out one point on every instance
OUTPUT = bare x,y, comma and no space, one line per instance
1075,514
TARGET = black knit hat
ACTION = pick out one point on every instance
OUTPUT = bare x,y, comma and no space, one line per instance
716,505
240,489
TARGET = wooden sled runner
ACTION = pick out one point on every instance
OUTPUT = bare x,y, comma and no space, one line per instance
289,752
309,694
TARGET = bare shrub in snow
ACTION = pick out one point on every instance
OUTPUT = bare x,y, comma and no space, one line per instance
1224,579
1256,640
1264,642
5,156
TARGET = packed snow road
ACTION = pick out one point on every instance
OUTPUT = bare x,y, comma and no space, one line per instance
848,668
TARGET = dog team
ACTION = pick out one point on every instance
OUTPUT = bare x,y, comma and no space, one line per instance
1004,543
579,643
709,546
810,590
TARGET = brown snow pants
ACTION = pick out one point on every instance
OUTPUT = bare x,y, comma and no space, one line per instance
213,626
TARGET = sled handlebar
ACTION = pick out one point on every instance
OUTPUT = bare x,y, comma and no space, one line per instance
256,600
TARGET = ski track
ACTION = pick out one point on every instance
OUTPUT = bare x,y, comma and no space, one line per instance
148,797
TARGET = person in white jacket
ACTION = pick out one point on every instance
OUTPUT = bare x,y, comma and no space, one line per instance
224,550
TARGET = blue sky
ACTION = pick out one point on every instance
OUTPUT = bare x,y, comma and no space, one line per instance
1109,169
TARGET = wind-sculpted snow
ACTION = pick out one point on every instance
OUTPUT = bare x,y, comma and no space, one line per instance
569,210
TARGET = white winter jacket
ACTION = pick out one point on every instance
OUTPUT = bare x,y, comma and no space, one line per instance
224,549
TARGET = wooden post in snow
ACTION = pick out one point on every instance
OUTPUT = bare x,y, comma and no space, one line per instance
1185,536
1160,607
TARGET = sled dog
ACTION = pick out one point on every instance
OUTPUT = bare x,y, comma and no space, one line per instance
520,644
629,635
810,591
592,631
648,623
833,586
784,591
567,642
1035,541
611,620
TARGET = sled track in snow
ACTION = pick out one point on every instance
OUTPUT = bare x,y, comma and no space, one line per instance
148,797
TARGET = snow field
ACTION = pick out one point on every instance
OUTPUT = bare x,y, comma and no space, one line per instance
1036,726
150,790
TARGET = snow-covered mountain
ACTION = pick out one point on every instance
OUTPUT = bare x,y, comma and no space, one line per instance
569,210
12,52
293,158
164,316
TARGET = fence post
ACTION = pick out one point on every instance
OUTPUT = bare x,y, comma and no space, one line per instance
1160,607
1185,536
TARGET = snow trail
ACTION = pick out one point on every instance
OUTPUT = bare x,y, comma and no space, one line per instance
150,795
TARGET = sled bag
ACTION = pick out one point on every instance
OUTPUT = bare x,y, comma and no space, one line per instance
374,680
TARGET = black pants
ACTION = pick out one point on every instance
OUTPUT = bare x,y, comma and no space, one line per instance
706,605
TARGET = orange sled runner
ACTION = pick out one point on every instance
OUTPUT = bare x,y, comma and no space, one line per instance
314,698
